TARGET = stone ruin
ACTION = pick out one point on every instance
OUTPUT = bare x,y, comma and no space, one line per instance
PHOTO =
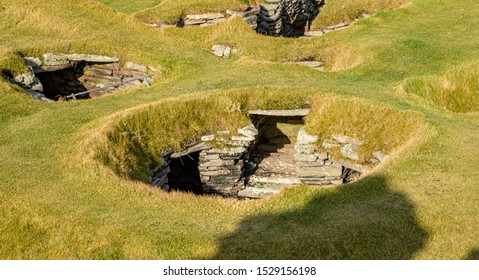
78,76
288,18
256,161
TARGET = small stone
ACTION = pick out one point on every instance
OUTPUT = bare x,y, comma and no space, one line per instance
242,138
304,149
33,61
230,151
320,171
207,138
304,138
217,162
135,67
343,139
349,151
209,156
329,145
380,156
248,131
216,173
221,51
307,158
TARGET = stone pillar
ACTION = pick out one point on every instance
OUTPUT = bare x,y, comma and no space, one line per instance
221,169
314,167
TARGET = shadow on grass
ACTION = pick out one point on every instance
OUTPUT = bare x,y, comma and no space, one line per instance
364,220
473,254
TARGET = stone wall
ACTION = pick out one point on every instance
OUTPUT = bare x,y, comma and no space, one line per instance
289,18
227,164
58,76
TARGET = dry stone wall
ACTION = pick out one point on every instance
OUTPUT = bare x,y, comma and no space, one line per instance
58,76
227,165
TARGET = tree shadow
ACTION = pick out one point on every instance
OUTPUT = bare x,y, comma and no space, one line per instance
364,220
473,254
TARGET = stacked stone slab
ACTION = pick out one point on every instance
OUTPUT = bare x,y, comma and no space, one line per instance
314,167
221,169
159,175
85,72
202,20
289,18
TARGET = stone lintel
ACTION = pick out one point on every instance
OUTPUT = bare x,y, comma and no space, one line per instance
281,113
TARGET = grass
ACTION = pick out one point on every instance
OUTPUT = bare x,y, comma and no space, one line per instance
338,11
456,91
130,7
132,146
169,11
58,202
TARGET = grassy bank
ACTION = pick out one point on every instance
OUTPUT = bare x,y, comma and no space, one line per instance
456,91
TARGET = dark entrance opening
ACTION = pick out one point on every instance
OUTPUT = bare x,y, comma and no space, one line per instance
184,174
61,83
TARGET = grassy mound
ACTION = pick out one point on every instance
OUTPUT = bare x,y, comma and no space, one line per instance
456,91
337,11
133,145
169,11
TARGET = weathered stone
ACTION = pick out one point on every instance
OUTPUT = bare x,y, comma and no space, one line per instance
136,67
257,192
287,18
221,51
248,131
281,113
208,16
230,151
314,33
205,179
216,173
33,61
50,59
243,138
160,181
320,171
217,162
306,157
343,139
238,143
90,58
207,138
312,64
305,138
209,156
380,156
193,149
349,151
304,149
329,145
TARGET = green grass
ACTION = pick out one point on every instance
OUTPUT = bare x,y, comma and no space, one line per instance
130,7
58,202
169,11
457,91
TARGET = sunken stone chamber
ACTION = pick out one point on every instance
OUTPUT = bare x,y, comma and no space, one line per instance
273,152
78,76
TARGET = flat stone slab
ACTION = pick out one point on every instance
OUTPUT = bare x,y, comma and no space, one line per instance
281,113
257,192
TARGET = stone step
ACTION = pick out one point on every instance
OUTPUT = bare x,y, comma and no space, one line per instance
274,179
